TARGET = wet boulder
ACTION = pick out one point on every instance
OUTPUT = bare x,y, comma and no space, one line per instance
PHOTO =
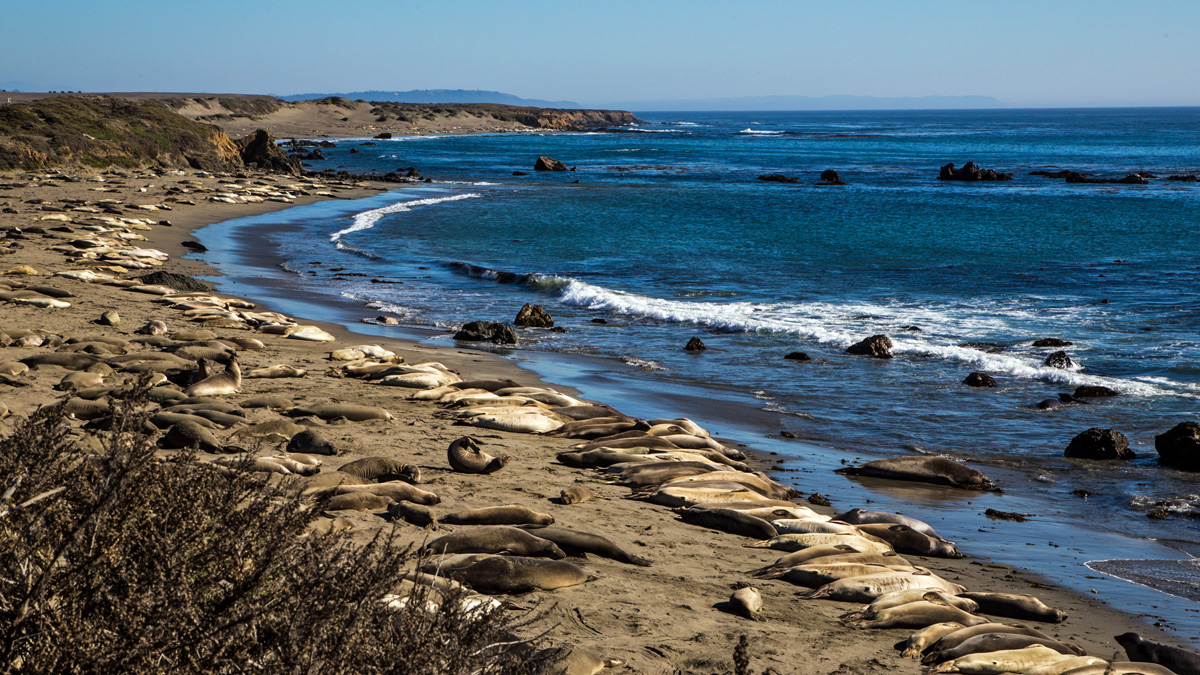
980,380
778,178
878,346
971,172
831,177
549,164
533,316
798,356
487,331
1180,447
1098,443
1093,391
1052,342
1060,359
695,345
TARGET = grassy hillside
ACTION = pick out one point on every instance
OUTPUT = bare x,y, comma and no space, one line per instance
99,131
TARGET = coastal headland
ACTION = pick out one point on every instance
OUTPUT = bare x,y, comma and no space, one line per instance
134,205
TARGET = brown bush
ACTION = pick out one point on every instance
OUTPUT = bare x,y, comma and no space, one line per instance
120,561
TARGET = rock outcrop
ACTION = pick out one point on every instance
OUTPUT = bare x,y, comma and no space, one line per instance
878,346
695,345
549,164
1098,443
831,177
778,178
1180,447
258,150
980,380
487,331
1052,342
1061,360
1093,391
798,356
533,316
971,172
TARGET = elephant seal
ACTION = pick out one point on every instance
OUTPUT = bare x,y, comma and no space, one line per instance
79,380
1066,665
1139,649
162,420
651,442
465,456
952,640
729,520
863,517
576,543
576,661
1123,668
1016,606
654,473
494,539
746,602
813,526
417,514
277,371
311,441
934,470
221,384
759,482
357,500
576,494
271,401
917,614
67,360
914,594
867,589
716,492
796,542
517,574
350,411
817,555
994,642
188,434
586,412
1004,661
509,514
382,469
154,327
397,490
921,639
907,540
817,573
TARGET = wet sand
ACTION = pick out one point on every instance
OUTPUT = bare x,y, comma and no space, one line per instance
658,619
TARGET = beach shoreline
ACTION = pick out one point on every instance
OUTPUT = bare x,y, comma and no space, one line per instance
657,619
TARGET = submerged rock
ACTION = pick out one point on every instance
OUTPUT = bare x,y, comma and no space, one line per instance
878,346
1098,443
971,172
1052,342
778,178
533,316
695,345
1093,391
549,164
1180,446
980,380
487,331
831,177
798,356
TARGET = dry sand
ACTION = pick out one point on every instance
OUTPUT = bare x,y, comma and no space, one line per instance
658,619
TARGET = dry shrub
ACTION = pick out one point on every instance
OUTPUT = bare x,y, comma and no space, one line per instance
119,561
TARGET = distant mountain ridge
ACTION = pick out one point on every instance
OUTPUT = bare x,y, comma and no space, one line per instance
842,102
439,96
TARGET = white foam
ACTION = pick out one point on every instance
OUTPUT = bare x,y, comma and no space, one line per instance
367,219
760,133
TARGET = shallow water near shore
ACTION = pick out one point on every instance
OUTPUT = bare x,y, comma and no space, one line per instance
669,235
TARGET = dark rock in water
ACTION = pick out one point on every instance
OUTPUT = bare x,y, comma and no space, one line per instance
971,172
1007,515
797,356
180,282
786,434
1050,404
989,347
831,177
1098,443
1188,178
1052,342
1180,447
1131,179
1060,360
1081,493
1093,391
354,151
487,331
819,499
600,321
533,316
194,245
259,150
778,178
878,346
384,135
1056,174
911,329
549,164
980,380
519,173
558,329
695,345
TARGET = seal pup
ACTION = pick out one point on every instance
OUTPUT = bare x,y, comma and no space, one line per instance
576,661
465,456
746,602
934,470
1139,649
518,574
311,441
1016,606
221,384
494,539
416,514
509,514
576,494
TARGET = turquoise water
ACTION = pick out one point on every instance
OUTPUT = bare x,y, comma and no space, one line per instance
668,235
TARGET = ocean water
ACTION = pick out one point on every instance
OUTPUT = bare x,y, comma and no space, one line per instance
663,232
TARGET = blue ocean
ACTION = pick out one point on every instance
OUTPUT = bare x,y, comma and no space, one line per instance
663,232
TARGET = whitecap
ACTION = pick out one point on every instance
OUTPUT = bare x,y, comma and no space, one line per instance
367,219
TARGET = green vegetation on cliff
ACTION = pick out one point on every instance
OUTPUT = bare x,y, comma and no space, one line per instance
99,131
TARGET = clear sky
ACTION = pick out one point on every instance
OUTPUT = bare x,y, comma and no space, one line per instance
1035,53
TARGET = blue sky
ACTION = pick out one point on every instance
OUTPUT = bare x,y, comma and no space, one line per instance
1044,53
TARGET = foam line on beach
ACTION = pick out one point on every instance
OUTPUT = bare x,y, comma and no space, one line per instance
367,219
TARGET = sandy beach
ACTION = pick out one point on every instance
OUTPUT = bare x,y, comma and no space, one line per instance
664,618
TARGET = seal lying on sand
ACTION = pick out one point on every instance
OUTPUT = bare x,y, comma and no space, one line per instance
1181,661
920,640
746,602
465,456
917,614
350,411
576,494
510,514
578,543
1006,661
935,470
994,642
1016,606
907,540
863,517
515,574
494,539
382,469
